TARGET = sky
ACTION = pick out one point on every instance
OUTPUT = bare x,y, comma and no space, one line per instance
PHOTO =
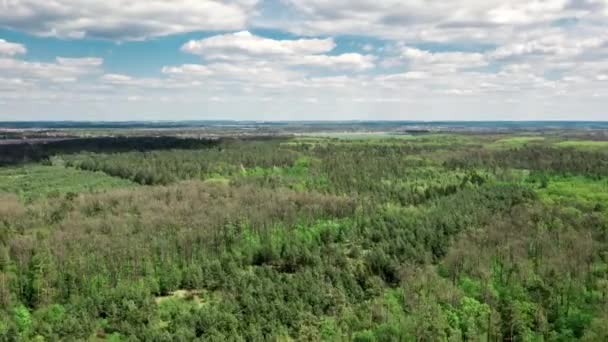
303,60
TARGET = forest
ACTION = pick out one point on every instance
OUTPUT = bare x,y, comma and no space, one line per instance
309,237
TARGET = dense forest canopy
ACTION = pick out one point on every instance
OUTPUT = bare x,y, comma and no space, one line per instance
334,237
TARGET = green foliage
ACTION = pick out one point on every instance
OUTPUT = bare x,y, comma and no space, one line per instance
23,320
37,181
514,142
545,158
583,144
578,191
165,167
428,237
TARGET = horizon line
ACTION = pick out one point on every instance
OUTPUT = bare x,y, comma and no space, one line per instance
300,121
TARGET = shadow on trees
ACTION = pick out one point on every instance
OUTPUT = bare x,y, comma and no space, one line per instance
29,151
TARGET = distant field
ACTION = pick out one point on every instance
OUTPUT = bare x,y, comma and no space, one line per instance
428,141
584,144
515,142
33,181
30,141
360,135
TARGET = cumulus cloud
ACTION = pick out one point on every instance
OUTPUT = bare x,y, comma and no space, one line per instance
431,20
257,72
466,58
142,84
558,45
421,59
244,44
246,47
123,19
11,49
64,70
187,70
116,79
353,61
406,76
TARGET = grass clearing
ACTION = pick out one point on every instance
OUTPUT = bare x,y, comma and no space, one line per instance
584,144
514,142
189,295
360,135
350,139
34,181
575,190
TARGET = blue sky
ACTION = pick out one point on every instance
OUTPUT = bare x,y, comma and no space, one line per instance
303,60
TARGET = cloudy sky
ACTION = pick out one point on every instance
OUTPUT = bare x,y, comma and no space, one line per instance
304,59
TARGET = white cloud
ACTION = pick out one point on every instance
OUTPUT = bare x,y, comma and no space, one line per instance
352,61
187,70
245,48
244,44
7,84
442,60
116,79
80,62
461,59
143,84
459,92
256,73
420,20
215,75
557,45
64,70
406,76
11,49
525,12
123,19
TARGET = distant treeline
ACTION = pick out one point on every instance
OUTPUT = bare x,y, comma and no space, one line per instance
34,152
539,158
319,126
164,167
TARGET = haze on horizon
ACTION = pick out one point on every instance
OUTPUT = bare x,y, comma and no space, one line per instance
303,60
